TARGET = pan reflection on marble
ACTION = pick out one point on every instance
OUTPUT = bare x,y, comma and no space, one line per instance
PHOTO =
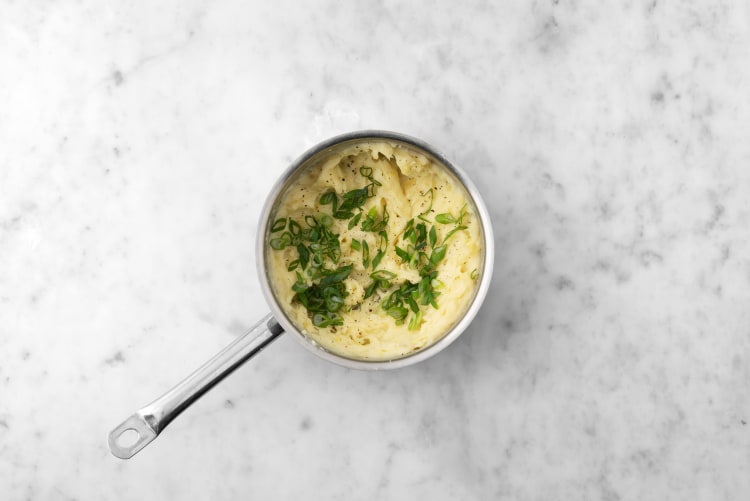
410,306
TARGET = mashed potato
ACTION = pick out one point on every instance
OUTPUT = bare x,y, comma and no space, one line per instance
374,252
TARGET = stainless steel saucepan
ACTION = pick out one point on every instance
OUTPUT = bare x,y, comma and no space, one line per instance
144,425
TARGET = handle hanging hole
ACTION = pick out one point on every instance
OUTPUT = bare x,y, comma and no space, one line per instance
128,438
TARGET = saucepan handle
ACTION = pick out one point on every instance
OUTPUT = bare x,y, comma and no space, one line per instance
141,428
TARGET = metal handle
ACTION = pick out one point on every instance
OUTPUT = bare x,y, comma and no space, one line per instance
141,428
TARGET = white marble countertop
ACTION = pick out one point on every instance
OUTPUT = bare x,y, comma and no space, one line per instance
611,359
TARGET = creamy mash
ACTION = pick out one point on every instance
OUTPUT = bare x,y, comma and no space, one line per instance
374,251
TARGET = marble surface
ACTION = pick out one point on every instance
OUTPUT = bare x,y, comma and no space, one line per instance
611,359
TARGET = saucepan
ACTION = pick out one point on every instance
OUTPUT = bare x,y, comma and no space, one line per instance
147,423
